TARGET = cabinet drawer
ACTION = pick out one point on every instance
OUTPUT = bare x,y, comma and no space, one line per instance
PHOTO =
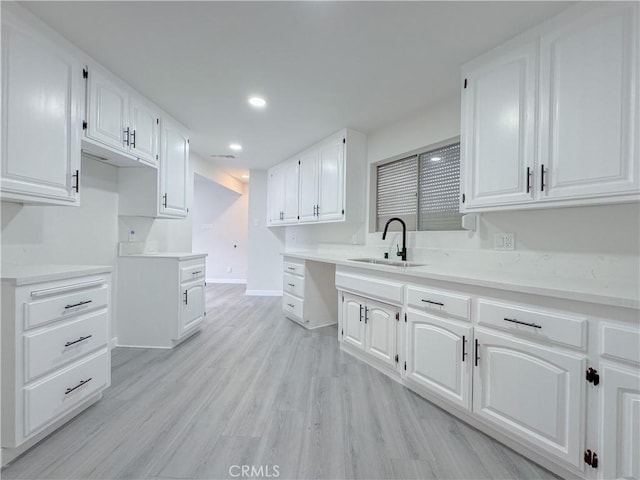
293,305
52,398
620,343
294,285
295,268
56,304
537,324
371,287
192,270
439,302
46,350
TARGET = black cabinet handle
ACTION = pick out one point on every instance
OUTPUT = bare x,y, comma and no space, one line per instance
477,348
77,304
366,314
433,303
186,297
133,139
164,200
291,305
528,179
542,184
82,382
291,284
361,307
291,268
513,320
68,344
76,187
128,137
464,347
196,272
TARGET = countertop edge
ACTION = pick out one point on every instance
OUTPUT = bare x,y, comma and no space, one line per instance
81,271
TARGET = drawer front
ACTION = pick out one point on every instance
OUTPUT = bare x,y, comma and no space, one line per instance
294,285
47,350
376,288
293,306
49,400
620,343
80,300
533,323
192,270
439,302
294,268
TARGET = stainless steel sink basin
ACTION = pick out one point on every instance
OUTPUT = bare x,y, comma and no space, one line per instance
384,261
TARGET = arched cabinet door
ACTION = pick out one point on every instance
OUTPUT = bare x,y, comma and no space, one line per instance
381,331
353,320
531,391
192,311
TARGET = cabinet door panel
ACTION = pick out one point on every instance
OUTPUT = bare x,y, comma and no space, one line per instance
40,108
533,392
192,311
619,421
588,108
381,327
498,114
435,357
174,163
331,180
290,189
353,321
108,111
144,132
276,194
308,186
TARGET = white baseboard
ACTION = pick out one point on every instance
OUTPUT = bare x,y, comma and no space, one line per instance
264,293
113,343
227,280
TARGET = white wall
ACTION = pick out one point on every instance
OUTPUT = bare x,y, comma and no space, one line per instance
264,269
220,221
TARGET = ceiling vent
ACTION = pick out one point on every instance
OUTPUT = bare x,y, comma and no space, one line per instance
223,156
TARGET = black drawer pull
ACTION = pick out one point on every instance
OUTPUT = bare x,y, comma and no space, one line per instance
82,382
291,284
464,345
291,268
513,320
433,303
291,305
196,272
77,304
68,344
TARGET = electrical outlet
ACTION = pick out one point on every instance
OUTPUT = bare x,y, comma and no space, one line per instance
504,241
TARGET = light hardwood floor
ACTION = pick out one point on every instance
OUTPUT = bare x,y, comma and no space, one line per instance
254,388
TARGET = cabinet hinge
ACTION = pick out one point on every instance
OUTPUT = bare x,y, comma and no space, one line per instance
187,140
593,376
84,124
463,197
298,162
156,156
465,83
405,317
342,298
591,458
85,73
343,211
397,316
343,332
405,365
157,121
344,140
397,359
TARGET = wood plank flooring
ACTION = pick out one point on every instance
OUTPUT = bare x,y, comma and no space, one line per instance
254,388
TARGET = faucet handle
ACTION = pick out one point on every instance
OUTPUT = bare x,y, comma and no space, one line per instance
398,251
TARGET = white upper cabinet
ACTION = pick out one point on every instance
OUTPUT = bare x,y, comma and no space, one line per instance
119,119
320,188
282,189
174,165
588,106
41,113
551,118
308,196
498,112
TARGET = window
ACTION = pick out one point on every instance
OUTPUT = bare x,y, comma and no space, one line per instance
423,190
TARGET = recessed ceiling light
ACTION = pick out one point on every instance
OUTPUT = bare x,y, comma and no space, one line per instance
257,102
435,159
235,146
245,176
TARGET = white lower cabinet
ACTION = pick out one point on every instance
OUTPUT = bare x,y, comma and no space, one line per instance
371,327
161,299
533,392
619,421
438,357
55,349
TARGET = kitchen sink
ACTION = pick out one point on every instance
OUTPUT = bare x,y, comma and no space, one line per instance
383,261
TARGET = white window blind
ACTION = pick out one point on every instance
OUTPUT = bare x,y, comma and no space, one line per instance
439,189
397,193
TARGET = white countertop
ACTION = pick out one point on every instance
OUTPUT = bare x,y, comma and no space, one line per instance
28,274
170,255
619,294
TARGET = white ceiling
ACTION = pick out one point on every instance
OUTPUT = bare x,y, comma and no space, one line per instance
320,65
